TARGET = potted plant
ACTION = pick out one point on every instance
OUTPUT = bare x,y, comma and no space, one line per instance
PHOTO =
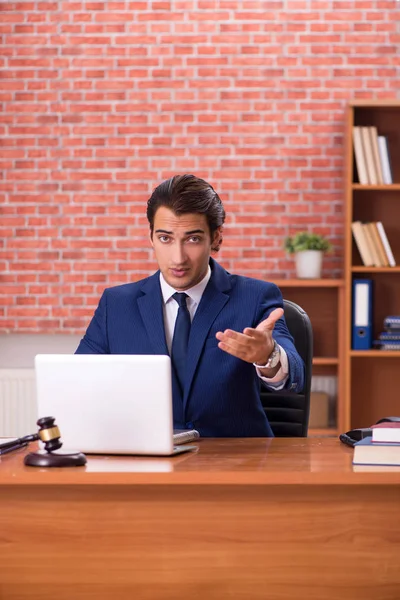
308,249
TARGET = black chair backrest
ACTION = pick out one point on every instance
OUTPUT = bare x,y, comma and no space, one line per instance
287,412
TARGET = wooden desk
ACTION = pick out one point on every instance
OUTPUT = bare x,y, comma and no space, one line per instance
240,519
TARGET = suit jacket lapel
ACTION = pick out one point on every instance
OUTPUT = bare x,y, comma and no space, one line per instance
211,304
151,310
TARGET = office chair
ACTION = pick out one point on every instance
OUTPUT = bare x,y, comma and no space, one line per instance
288,412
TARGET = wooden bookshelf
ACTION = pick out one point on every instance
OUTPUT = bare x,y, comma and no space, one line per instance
372,377
323,301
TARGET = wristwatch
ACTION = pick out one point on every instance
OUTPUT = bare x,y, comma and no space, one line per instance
273,359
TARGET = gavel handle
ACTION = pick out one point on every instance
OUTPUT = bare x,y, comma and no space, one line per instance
17,443
4,450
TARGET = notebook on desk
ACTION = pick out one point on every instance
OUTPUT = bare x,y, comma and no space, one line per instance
109,403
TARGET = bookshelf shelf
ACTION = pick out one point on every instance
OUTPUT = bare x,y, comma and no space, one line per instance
322,360
360,269
375,353
371,386
387,103
394,187
309,283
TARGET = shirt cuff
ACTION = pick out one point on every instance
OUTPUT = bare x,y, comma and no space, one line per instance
277,382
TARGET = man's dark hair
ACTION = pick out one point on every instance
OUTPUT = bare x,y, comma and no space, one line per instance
188,194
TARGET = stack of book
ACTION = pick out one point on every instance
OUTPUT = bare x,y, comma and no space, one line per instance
389,338
373,244
383,448
372,156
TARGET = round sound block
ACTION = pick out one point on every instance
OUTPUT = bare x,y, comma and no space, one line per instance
55,459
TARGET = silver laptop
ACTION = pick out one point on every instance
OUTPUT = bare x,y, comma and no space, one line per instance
109,404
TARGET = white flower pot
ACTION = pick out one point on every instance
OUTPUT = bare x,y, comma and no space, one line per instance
308,264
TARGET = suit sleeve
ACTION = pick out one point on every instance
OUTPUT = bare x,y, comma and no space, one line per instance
272,298
95,340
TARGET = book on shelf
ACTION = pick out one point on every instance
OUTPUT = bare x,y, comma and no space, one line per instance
370,236
387,336
387,432
359,157
373,134
362,311
385,160
361,243
381,345
371,153
391,322
367,452
373,244
386,245
369,156
379,245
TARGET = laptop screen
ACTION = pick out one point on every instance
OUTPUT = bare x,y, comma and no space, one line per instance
112,404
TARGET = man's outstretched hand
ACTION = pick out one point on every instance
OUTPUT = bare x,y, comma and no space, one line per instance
253,345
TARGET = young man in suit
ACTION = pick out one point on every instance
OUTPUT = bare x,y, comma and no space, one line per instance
225,333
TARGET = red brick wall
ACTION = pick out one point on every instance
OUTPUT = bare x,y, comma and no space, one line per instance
100,101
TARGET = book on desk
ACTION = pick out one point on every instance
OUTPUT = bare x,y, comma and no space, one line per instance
368,452
386,432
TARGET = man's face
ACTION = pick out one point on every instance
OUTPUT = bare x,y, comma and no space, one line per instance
182,245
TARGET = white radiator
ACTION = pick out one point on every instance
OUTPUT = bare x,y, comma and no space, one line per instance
18,413
18,410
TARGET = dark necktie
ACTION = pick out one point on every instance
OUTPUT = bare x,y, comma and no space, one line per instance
181,337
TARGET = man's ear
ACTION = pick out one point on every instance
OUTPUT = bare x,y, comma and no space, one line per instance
151,238
217,239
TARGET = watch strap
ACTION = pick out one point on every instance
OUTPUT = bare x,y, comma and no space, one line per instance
273,359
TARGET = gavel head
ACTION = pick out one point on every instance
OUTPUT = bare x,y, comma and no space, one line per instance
49,433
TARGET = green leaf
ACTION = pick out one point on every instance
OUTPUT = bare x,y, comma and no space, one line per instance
305,240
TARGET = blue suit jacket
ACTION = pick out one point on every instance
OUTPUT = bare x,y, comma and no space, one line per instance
222,393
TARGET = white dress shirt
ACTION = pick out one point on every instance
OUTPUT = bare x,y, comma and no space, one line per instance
170,311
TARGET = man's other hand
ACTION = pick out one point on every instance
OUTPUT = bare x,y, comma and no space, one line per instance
253,345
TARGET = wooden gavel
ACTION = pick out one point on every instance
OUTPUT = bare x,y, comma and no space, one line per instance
49,434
